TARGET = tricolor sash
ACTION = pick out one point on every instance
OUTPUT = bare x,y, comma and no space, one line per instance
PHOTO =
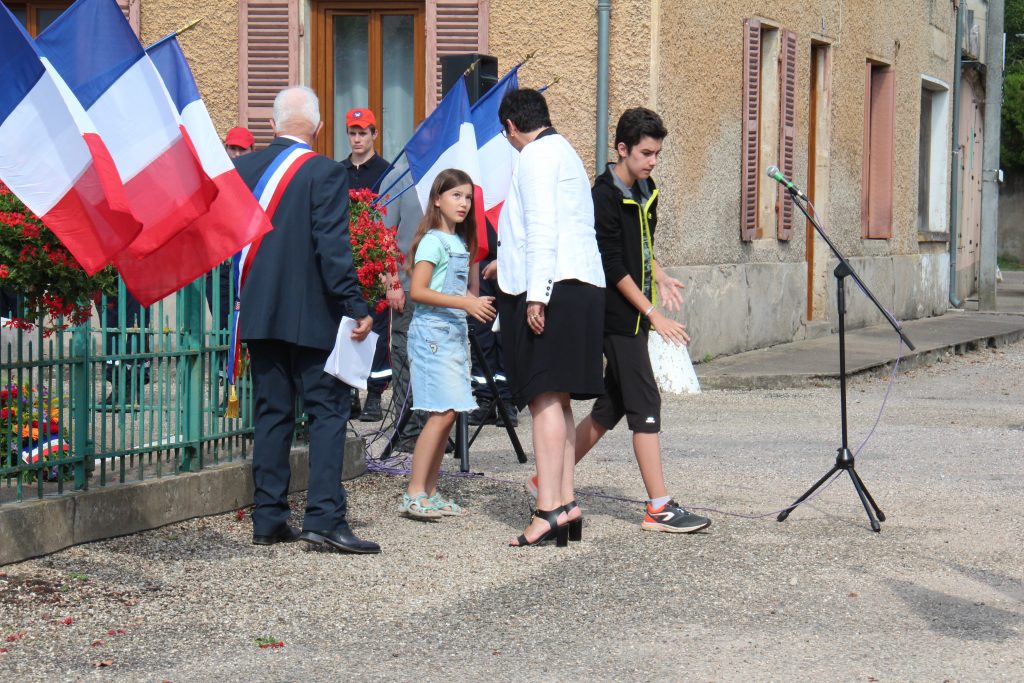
268,191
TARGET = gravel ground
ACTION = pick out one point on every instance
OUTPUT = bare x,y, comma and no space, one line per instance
937,596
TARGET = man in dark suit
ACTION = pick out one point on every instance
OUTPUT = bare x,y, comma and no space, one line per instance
300,283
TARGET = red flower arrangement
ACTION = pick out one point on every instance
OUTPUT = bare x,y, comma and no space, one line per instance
35,265
375,251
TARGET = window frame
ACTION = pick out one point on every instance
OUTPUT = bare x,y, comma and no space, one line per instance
938,153
31,11
322,47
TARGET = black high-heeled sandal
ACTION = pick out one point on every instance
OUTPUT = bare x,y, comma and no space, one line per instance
575,525
556,531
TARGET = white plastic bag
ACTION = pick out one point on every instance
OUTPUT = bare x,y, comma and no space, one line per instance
672,367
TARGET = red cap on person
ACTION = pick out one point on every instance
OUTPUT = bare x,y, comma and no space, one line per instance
360,118
239,137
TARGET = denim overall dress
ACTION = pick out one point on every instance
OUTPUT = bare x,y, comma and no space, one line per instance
438,344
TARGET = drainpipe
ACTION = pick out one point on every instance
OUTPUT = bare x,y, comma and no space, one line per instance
954,182
604,8
990,173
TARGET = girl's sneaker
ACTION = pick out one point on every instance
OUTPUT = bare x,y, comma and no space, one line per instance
418,506
445,507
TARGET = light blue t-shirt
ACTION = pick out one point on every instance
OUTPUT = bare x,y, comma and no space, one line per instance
432,249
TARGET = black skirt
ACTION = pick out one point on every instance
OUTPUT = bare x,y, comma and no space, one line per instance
567,357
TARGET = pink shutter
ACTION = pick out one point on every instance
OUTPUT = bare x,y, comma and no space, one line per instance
751,115
883,144
268,43
865,171
787,131
131,10
453,26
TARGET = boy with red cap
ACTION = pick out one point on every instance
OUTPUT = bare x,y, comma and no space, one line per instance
238,141
365,168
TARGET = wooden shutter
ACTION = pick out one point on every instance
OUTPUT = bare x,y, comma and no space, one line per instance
879,150
453,26
131,10
787,132
751,115
268,44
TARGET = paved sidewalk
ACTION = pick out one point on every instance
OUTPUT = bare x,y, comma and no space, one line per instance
816,361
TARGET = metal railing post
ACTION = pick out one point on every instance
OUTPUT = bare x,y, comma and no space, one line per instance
191,375
81,444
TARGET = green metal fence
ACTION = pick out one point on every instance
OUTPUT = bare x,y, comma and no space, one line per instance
136,393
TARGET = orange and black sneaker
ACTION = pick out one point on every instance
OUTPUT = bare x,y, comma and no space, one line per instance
673,519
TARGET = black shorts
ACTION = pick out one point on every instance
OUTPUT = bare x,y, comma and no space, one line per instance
630,388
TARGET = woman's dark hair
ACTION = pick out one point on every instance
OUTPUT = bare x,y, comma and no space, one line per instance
447,179
636,124
526,108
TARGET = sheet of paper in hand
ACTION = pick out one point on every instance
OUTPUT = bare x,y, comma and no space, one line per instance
672,367
351,360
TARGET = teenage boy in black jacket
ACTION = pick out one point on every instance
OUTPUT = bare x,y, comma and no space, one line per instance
625,217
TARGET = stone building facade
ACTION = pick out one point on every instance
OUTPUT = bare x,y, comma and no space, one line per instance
851,97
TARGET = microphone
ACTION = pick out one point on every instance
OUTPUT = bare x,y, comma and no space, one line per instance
775,174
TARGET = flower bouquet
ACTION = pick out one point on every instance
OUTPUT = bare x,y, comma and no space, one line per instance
35,265
375,251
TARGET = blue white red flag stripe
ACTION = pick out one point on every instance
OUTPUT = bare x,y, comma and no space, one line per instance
52,158
444,140
234,218
269,190
95,51
497,157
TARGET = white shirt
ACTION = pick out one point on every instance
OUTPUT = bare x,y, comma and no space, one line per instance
546,229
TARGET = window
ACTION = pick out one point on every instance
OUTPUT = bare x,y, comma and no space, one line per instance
933,157
768,130
36,16
369,55
879,144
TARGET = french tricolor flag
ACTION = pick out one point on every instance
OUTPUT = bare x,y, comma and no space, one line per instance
93,48
445,140
234,219
497,157
53,159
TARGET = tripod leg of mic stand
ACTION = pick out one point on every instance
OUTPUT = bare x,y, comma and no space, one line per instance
785,513
462,441
857,481
500,404
875,526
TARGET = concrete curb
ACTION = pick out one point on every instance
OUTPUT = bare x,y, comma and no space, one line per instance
40,527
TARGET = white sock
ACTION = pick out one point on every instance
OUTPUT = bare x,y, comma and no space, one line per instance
656,503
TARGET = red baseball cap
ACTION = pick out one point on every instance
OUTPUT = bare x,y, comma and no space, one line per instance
239,137
360,118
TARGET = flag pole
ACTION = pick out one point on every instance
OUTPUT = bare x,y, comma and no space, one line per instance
174,34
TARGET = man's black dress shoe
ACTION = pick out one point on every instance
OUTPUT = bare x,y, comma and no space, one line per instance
342,539
285,534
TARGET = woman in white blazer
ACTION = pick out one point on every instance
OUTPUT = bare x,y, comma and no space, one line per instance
551,303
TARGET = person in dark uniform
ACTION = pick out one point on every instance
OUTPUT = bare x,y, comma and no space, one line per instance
490,346
365,169
300,283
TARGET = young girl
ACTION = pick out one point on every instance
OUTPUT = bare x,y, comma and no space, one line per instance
438,343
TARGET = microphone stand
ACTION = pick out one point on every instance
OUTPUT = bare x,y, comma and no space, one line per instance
462,438
844,457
